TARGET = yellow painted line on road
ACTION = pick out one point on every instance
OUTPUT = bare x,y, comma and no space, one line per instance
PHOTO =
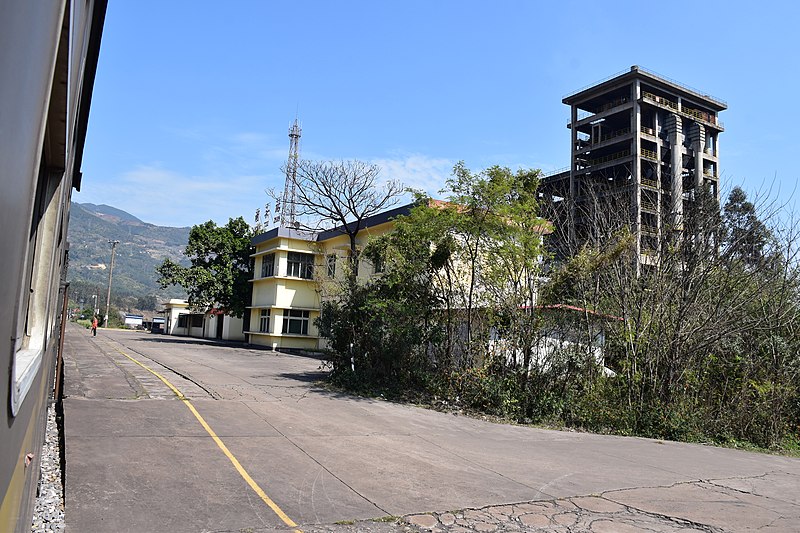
236,464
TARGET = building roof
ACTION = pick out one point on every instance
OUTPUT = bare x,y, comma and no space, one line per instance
374,220
642,73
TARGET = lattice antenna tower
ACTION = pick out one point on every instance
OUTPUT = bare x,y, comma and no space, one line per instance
288,211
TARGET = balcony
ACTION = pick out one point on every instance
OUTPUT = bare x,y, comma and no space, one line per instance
648,131
605,159
650,183
660,100
649,230
649,154
649,206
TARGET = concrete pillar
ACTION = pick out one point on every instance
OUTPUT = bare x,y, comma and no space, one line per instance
675,136
636,168
698,137
573,185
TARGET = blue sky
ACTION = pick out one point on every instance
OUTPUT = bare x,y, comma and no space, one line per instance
193,99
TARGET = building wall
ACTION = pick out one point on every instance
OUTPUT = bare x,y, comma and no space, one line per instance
281,294
172,310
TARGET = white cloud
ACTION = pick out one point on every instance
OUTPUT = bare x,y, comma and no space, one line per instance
169,198
417,171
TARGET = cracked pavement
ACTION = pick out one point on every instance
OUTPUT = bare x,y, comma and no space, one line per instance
139,461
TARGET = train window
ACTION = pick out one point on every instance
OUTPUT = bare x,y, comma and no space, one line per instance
39,286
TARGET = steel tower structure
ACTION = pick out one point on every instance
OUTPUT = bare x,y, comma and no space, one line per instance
288,216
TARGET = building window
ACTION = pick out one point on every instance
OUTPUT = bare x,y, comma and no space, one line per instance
263,322
378,264
268,265
42,269
182,321
332,265
295,322
300,265
197,320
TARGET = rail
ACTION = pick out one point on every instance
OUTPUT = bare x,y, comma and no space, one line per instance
605,159
649,131
555,172
650,183
695,113
660,99
653,74
614,134
582,114
649,154
649,230
649,205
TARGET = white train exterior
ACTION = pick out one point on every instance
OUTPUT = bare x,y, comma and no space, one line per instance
48,59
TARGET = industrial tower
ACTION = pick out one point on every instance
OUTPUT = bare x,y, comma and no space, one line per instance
288,212
641,148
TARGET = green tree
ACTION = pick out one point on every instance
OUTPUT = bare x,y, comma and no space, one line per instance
450,267
746,235
220,268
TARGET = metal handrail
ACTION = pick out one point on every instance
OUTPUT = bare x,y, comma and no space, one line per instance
649,154
554,172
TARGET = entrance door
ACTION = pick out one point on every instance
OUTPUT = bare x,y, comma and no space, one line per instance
220,323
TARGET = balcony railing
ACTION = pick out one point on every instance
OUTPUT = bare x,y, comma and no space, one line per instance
650,206
582,114
649,131
649,154
605,159
614,134
661,100
696,113
650,183
649,230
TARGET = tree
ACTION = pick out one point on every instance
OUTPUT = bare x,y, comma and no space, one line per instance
452,269
747,236
708,347
221,267
341,194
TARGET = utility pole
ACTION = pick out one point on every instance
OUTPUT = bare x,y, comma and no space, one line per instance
110,274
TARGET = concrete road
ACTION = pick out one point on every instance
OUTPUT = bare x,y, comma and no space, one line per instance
182,435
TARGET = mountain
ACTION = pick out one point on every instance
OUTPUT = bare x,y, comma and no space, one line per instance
142,247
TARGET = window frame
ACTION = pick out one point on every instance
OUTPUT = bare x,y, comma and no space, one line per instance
268,267
264,321
300,265
295,316
38,288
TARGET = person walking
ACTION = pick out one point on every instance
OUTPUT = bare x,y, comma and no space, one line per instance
94,326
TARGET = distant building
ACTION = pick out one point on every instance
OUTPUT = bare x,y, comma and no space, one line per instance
180,319
641,147
133,321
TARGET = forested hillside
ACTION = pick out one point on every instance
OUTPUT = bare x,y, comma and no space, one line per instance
141,248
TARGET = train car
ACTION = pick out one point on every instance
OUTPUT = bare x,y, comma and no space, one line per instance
48,58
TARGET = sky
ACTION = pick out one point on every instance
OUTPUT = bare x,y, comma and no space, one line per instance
193,100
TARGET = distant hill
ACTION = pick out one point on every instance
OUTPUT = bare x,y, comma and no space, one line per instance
141,248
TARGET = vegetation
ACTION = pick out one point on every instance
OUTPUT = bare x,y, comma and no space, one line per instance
701,343
142,247
340,194
221,267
